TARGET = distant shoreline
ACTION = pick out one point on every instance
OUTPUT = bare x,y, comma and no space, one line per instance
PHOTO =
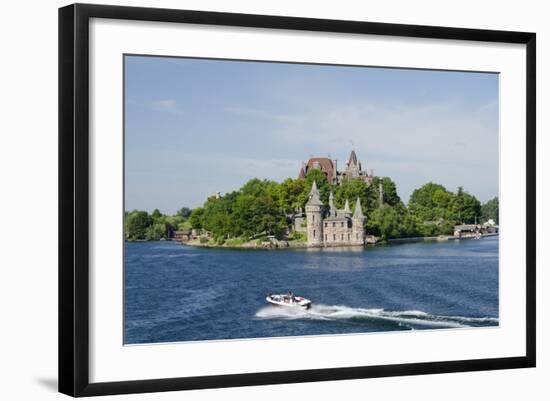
440,238
268,245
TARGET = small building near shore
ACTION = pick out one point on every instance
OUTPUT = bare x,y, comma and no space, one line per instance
469,230
489,227
182,235
462,230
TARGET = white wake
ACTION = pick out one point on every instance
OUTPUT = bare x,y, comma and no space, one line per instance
408,318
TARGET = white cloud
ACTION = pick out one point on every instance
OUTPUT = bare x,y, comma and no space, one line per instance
413,143
432,131
168,106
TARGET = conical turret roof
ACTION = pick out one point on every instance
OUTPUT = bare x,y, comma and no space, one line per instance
314,188
358,213
352,158
346,207
314,196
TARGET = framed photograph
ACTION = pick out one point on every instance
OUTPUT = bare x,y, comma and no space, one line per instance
251,199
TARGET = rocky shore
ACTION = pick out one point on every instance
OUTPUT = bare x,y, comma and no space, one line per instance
273,243
270,243
253,244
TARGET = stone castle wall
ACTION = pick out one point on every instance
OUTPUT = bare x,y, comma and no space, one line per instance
314,220
358,232
337,232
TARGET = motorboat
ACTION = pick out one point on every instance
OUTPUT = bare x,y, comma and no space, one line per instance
289,300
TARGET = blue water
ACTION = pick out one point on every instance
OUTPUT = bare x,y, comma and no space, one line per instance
180,293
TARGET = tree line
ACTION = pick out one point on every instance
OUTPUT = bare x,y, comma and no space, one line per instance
264,207
140,225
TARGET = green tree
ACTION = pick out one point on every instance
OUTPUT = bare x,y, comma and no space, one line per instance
156,215
350,190
137,223
174,220
385,222
292,194
196,218
253,215
427,195
466,208
320,179
410,225
155,232
432,202
184,212
489,210
390,191
184,226
217,216
257,187
437,210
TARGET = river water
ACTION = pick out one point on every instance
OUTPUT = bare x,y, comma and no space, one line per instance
180,293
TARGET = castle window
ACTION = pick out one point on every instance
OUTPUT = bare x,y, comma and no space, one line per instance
326,224
313,217
342,238
348,237
334,237
313,233
333,224
357,236
325,237
342,224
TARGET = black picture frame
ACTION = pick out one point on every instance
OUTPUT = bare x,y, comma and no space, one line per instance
74,198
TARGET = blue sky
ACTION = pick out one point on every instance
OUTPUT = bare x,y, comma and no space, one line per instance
195,127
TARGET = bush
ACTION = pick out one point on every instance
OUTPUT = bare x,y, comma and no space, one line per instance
297,236
137,223
235,241
155,232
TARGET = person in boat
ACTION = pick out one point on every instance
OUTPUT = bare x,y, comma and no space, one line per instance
290,297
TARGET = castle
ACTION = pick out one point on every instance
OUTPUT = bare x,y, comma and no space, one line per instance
333,227
330,168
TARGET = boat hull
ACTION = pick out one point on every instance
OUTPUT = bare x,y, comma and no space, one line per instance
287,302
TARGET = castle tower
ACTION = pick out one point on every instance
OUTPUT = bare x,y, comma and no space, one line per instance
314,217
358,225
353,168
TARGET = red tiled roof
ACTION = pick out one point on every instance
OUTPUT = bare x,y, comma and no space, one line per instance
326,165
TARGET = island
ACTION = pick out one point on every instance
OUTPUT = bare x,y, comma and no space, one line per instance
314,210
